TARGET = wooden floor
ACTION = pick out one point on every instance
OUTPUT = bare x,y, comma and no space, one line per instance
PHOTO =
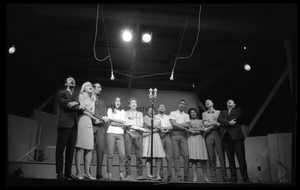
25,182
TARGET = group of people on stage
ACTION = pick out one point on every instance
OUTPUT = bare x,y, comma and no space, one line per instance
81,129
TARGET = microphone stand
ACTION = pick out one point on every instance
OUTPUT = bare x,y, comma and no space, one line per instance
152,98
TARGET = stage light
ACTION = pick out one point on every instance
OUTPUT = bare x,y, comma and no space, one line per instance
12,49
126,35
247,67
146,37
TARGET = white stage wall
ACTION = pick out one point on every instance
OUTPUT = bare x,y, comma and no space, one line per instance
21,138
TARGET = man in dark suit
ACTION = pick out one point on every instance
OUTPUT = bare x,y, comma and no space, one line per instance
99,129
66,129
233,140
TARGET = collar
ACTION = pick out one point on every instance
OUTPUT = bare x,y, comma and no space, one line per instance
70,91
181,112
211,111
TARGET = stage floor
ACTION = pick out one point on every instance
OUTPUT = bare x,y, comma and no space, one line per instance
13,181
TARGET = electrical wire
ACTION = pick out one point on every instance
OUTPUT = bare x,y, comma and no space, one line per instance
96,31
197,37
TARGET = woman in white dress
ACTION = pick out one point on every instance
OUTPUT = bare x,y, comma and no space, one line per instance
85,137
196,143
158,150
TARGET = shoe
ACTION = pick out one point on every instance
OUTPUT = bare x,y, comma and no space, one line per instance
70,176
88,176
214,179
247,180
232,180
178,178
206,180
129,178
140,177
225,179
186,180
170,179
60,176
110,177
99,176
78,177
150,176
122,176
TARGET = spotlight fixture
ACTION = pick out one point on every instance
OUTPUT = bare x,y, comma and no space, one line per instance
127,35
146,37
247,67
12,49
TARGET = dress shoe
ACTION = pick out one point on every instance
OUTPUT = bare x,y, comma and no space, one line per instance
99,176
232,180
70,176
86,176
214,179
225,179
186,179
178,178
247,180
170,179
60,176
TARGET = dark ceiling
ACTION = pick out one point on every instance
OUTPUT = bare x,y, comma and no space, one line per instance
204,44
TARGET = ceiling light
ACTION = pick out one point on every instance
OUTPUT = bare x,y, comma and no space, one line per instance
247,67
146,37
126,35
12,49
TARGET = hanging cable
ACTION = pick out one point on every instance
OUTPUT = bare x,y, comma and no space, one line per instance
197,37
96,31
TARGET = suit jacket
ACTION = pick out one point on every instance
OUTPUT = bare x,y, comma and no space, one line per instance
67,117
100,111
235,131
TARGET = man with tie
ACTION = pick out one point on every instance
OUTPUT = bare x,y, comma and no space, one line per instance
212,137
233,140
99,129
66,129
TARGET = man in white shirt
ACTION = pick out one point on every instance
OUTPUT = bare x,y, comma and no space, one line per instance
213,140
180,122
166,139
